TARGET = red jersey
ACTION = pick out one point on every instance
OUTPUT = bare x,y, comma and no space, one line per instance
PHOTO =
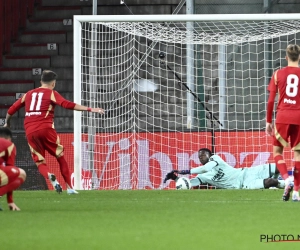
285,82
7,152
39,108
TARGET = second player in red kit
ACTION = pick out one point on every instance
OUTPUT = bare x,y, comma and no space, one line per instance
285,82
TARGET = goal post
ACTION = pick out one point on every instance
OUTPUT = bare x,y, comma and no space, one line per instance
77,98
171,84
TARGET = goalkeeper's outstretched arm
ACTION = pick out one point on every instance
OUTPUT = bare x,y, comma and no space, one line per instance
198,170
203,169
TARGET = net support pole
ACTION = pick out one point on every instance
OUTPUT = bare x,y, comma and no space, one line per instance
190,68
77,99
222,84
95,5
92,99
267,53
178,7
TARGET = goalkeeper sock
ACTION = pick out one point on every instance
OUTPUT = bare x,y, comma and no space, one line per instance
281,166
64,169
274,172
281,184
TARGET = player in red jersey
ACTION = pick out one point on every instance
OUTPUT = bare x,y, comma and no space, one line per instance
11,177
285,82
39,106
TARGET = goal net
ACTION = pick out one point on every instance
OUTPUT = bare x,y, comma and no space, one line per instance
171,85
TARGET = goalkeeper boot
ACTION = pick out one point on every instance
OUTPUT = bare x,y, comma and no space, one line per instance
71,191
287,191
55,183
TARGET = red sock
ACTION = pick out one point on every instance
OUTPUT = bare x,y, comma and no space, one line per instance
297,176
281,166
64,169
44,170
11,186
9,197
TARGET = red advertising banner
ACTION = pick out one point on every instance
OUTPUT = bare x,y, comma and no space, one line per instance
247,149
141,160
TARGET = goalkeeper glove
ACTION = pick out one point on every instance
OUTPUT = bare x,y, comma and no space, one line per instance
188,171
171,175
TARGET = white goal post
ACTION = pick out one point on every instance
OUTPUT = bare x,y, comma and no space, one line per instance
172,84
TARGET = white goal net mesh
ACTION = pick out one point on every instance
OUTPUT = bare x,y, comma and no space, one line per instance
170,89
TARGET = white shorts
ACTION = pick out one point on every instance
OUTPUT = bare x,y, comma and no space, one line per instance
254,176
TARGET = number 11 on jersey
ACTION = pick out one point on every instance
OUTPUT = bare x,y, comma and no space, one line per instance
33,100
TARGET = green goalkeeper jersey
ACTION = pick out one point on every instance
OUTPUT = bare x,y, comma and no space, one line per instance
218,173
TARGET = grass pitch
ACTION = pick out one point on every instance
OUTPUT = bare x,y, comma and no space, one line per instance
148,219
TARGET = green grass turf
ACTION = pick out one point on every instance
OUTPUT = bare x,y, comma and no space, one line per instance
148,219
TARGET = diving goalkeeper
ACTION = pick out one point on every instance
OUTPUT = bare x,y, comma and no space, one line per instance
216,172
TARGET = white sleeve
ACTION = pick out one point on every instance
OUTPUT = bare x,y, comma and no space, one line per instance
203,169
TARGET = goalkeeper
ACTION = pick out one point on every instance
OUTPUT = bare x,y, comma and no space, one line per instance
216,172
